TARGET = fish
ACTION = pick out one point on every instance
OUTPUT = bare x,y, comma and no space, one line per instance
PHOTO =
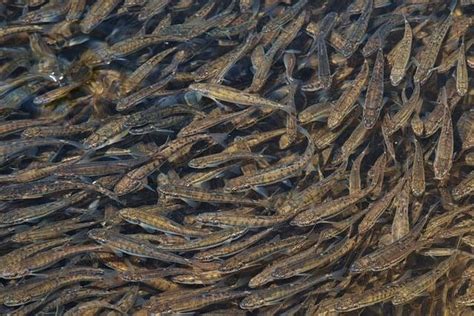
417,180
198,301
209,241
31,292
274,295
51,231
57,131
376,209
328,209
218,159
400,119
464,188
271,29
151,8
309,263
311,194
14,29
401,223
315,112
445,148
273,174
346,101
157,222
350,302
228,94
435,224
40,261
402,55
40,188
377,39
414,287
202,195
10,149
291,122
198,126
136,178
374,97
385,257
15,257
262,61
123,243
130,101
462,81
145,69
354,177
431,50
357,31
254,254
249,221
109,133
96,14
232,248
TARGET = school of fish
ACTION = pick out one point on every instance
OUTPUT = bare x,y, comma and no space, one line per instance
236,157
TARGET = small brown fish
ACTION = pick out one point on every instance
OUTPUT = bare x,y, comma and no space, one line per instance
348,98
445,148
402,56
228,94
374,98
462,79
431,50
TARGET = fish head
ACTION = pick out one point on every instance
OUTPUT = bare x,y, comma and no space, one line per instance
252,302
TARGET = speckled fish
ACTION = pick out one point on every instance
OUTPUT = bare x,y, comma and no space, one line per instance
152,8
273,295
44,259
249,221
386,257
210,241
30,292
55,230
136,178
401,56
228,94
271,29
232,248
357,31
14,29
320,260
35,212
96,14
10,149
156,222
374,97
431,50
274,174
109,133
197,302
134,247
145,69
376,209
462,78
445,148
253,255
353,301
38,189
202,195
377,40
348,98
416,286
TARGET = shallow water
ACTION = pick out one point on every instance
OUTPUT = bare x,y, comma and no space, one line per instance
244,157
